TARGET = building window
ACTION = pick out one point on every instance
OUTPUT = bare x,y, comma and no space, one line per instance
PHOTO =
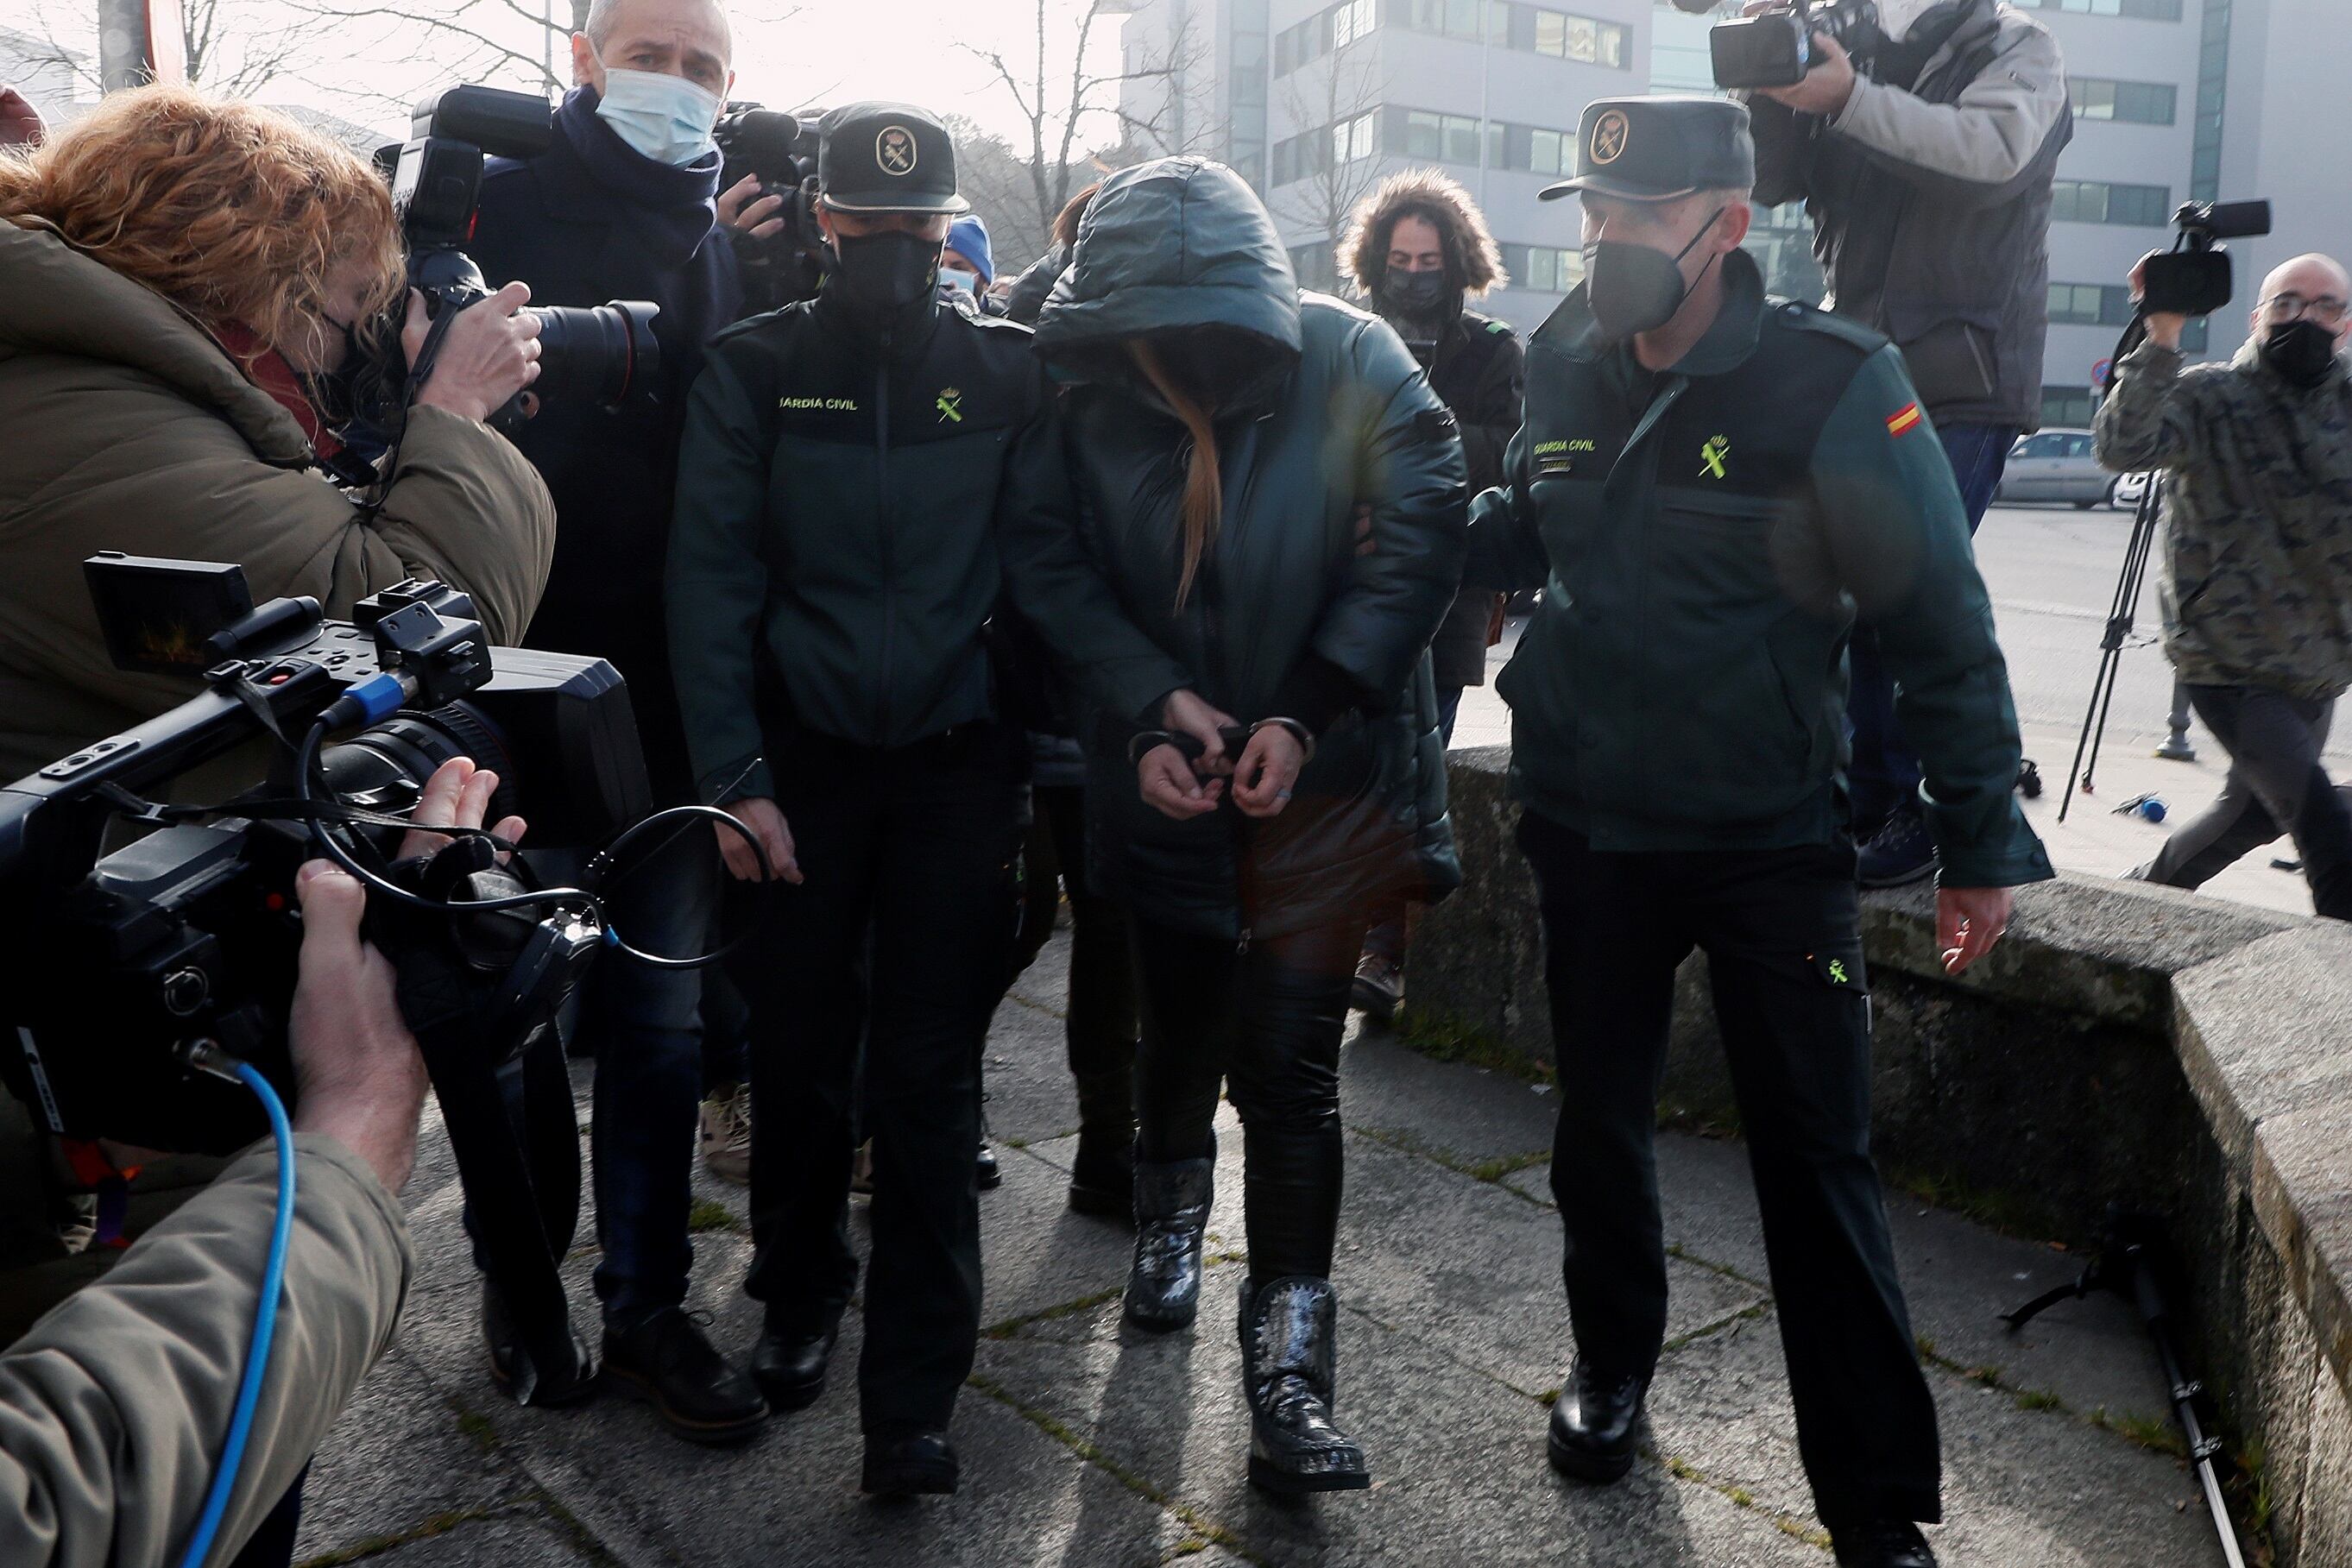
1333,28
1315,265
2108,304
2068,407
2145,10
1353,140
2098,202
2139,102
1545,269
1514,25
1440,138
1550,151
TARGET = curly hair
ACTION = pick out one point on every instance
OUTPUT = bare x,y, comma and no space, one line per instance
234,213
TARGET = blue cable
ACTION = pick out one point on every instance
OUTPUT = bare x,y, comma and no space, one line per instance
265,1323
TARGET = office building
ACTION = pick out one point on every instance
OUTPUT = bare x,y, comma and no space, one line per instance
2175,100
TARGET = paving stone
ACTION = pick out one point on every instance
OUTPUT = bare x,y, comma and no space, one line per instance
397,1458
2021,1489
1465,1113
1459,1475
506,1542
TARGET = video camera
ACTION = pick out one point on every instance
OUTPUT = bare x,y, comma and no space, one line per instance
125,974
780,150
1776,49
2193,277
603,351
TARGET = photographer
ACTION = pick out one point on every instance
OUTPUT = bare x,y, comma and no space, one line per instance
114,1406
625,202
157,335
2256,580
1926,169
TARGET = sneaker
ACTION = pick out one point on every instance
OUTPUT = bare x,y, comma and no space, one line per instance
1379,989
727,1134
670,1363
1902,852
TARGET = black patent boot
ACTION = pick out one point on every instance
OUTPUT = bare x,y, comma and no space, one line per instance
1171,1215
1593,1421
1102,1177
551,1368
1287,1370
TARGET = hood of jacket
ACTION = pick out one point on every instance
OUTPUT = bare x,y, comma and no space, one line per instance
1173,243
1472,254
53,300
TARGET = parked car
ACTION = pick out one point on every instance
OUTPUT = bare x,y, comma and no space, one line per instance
2055,466
2128,489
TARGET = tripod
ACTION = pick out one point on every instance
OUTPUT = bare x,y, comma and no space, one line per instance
2120,610
2120,613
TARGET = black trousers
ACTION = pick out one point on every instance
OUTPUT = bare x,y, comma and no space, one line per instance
2276,785
1780,930
1265,1022
899,936
1100,1026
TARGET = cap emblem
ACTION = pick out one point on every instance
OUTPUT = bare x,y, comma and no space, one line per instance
1609,137
894,150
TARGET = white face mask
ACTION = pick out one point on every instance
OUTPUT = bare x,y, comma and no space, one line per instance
667,118
1896,16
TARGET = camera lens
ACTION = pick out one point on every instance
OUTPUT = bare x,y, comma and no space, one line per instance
598,353
384,767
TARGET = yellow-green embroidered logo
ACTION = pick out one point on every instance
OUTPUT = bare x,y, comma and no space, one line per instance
1837,973
821,404
949,406
1711,456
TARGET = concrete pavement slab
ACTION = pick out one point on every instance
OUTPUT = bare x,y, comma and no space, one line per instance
512,1542
2023,1489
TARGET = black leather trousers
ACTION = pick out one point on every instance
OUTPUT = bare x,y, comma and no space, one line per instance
1264,1019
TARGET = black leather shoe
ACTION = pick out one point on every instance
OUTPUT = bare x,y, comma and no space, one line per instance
1102,1177
789,1366
1288,1371
563,1370
989,1176
1592,1423
909,1464
1882,1544
1171,1215
668,1362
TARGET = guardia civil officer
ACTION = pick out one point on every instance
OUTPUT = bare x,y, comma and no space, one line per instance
863,475
1713,482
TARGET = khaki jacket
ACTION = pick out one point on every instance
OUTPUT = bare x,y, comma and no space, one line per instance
129,428
113,1407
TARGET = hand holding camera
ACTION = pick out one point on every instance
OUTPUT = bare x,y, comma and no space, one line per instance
744,211
1830,73
489,355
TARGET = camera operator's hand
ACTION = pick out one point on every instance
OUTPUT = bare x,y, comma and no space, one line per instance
20,122
742,209
457,796
488,354
357,1073
1826,88
766,822
1969,921
2164,328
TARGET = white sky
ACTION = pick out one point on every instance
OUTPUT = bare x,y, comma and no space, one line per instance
830,51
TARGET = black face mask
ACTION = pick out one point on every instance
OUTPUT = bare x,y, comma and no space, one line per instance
883,272
1635,289
1413,293
2302,353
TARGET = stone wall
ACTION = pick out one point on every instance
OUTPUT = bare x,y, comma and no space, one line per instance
2124,1044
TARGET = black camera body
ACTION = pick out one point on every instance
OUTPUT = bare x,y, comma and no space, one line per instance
604,352
1776,49
2193,279
780,150
120,971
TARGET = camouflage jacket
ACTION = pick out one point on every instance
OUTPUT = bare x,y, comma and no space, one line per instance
2256,582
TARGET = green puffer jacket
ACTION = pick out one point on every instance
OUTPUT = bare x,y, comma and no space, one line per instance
1337,416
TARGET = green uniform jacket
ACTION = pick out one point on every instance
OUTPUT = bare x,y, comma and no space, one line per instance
2256,576
1704,537
850,512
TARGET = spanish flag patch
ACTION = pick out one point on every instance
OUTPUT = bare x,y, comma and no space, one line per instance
1903,420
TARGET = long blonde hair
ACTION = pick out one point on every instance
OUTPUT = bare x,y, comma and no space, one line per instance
1204,486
